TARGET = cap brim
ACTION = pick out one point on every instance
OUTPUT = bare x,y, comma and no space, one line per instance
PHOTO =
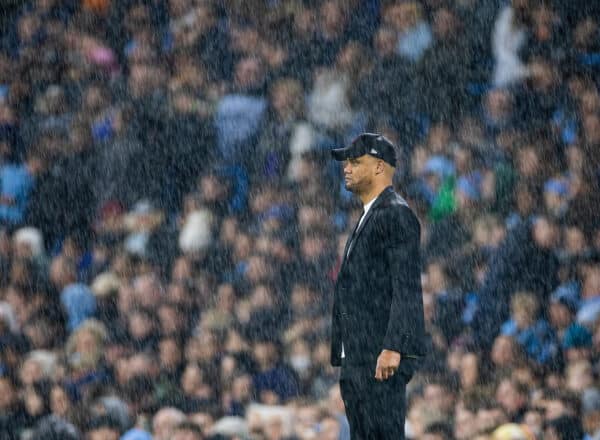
341,153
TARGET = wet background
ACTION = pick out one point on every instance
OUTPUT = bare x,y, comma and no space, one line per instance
172,223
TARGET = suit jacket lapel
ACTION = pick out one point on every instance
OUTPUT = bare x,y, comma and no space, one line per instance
352,241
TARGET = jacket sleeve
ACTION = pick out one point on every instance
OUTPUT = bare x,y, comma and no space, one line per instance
406,328
336,337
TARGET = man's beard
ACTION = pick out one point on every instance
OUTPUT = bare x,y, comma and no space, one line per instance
353,187
350,186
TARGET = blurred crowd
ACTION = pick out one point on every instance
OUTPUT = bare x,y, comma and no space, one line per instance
171,222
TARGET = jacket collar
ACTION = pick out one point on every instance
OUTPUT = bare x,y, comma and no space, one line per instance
385,194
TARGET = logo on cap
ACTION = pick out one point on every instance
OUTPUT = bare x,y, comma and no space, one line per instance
373,151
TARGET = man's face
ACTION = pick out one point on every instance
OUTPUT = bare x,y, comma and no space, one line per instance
359,173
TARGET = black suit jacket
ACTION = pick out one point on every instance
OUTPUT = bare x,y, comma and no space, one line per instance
378,300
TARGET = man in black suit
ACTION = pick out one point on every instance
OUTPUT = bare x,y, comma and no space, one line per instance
378,325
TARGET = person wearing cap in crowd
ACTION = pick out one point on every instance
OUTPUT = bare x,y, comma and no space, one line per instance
378,323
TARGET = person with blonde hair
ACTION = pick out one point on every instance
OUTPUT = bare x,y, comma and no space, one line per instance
85,356
533,332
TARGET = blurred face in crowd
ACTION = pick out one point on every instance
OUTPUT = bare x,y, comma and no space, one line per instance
262,297
329,429
543,76
186,434
534,421
249,73
579,376
320,356
305,22
509,397
499,104
226,298
560,315
439,398
170,354
165,421
264,353
103,433
432,436
574,240
287,99
524,200
62,272
27,27
545,233
306,420
30,372
589,102
42,333
333,18
201,347
141,325
591,129
147,291
142,364
465,423
178,294
438,138
591,282
203,420
556,408
257,270
170,320
445,24
591,420
8,396
385,42
524,315
489,418
60,404
178,8
469,370
528,161
503,351
402,16
194,383
241,388
310,216
313,246
436,277
144,79
244,39
300,358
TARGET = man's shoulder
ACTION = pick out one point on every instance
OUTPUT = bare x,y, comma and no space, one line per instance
394,205
394,217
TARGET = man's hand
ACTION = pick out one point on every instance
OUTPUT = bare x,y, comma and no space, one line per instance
388,362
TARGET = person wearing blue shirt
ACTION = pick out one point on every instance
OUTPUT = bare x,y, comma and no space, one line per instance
16,184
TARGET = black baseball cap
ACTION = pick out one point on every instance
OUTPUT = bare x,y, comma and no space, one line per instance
373,144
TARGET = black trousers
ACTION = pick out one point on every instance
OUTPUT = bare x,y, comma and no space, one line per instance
375,409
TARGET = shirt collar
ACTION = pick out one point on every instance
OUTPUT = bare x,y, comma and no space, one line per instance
368,205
